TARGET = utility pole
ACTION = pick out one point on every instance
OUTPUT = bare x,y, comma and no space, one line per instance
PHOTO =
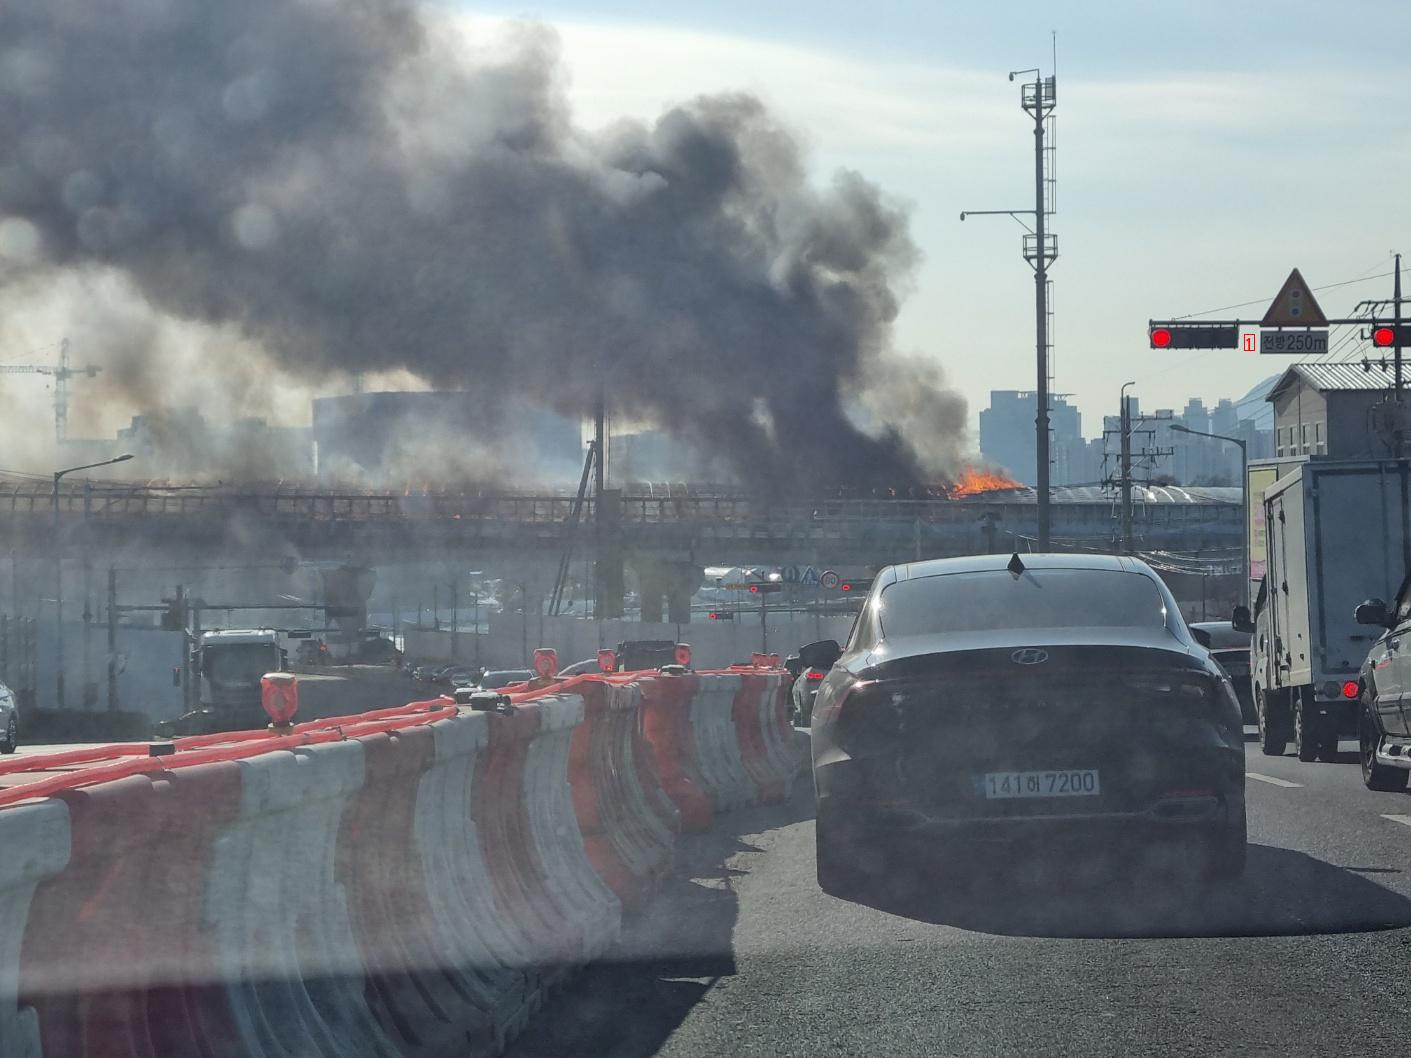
112,639
1396,329
763,623
1039,98
455,618
1040,104
600,415
1127,425
1399,436
89,693
1126,470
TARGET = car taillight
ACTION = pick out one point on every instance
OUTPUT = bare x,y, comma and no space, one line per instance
869,718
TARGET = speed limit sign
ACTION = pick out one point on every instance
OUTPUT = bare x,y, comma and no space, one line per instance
829,579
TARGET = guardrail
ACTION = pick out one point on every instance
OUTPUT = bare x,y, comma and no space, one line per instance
405,882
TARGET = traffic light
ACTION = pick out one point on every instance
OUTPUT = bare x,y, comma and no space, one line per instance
722,615
1193,336
1384,335
174,616
861,587
767,588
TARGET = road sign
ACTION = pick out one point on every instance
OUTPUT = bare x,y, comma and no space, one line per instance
809,578
830,579
790,574
1310,341
1294,306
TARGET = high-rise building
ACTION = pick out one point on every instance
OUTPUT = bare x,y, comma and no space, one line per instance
1007,436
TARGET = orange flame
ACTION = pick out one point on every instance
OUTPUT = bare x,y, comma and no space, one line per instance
973,482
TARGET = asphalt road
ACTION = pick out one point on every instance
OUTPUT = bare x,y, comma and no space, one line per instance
743,954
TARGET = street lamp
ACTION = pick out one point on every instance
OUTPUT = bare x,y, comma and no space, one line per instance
59,570
1244,498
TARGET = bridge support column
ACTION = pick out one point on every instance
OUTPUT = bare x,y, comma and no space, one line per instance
677,581
608,574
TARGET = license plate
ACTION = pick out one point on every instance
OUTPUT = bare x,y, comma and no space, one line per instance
998,785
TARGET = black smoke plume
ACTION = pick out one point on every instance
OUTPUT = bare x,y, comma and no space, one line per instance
339,185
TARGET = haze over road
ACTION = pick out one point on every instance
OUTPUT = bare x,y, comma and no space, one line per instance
748,957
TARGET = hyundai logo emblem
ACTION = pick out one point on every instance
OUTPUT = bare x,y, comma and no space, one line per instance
1029,656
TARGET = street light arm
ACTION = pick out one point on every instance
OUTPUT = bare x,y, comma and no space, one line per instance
1178,428
90,466
1014,213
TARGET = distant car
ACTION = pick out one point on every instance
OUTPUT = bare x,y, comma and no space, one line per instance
1057,708
639,655
493,681
1230,647
457,676
9,720
581,668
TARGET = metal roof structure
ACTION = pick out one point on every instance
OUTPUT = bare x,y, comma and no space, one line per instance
1330,378
1195,494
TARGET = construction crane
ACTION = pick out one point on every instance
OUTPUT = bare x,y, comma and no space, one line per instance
61,372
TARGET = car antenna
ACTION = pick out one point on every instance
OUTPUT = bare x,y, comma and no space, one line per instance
1016,564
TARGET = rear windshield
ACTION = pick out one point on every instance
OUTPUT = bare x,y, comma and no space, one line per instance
996,599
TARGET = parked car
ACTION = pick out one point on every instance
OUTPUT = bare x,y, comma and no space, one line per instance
1047,706
9,720
1230,647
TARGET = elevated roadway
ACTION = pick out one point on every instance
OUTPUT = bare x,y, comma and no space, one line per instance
702,526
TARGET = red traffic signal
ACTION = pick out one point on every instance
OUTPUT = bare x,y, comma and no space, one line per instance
855,585
722,615
1193,336
766,588
1384,335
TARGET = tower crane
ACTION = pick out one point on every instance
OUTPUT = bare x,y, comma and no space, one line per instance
61,373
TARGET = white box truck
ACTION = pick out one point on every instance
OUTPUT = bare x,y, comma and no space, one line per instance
1335,534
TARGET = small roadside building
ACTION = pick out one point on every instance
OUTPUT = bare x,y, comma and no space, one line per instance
1331,410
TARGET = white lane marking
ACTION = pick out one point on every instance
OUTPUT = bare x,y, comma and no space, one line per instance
1405,821
1273,781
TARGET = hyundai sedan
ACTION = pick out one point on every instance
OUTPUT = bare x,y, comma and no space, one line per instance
989,709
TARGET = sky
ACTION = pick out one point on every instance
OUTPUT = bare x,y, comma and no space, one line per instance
1204,150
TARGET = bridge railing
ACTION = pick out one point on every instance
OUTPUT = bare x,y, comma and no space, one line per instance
299,503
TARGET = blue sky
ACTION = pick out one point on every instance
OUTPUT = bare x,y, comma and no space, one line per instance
1204,150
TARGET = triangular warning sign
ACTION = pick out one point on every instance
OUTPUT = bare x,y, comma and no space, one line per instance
1294,306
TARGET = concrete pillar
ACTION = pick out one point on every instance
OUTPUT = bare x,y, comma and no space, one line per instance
608,568
677,581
